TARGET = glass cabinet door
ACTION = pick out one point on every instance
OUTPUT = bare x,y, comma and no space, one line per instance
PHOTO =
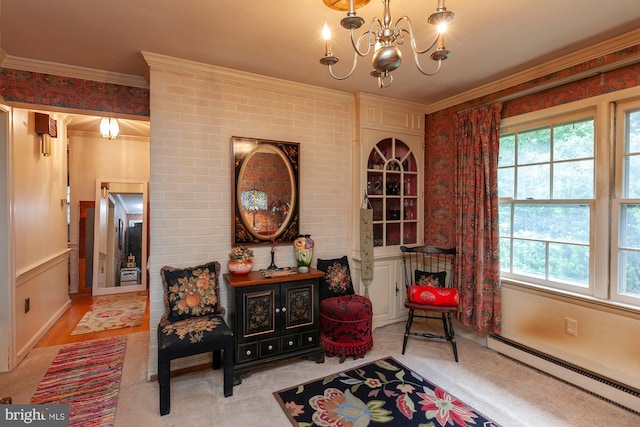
392,189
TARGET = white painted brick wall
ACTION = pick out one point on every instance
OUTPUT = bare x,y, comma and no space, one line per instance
195,110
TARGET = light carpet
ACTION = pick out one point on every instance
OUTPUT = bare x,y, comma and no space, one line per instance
86,376
508,392
113,312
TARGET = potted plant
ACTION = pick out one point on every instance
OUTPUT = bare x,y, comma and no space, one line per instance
240,260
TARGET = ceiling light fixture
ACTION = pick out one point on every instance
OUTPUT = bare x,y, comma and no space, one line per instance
109,127
385,38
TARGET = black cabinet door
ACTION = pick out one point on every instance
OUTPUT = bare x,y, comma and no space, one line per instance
300,305
256,310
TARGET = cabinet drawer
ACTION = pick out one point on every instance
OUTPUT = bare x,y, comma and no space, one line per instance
290,342
309,339
247,352
269,347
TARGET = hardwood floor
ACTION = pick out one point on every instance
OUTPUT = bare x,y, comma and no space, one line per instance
80,304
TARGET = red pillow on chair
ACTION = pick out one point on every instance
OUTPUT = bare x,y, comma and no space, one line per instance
431,295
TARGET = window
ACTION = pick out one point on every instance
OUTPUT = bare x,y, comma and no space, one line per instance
626,205
546,188
569,183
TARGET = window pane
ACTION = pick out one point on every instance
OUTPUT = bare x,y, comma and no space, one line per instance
507,155
504,220
631,185
630,226
629,273
533,182
534,146
633,132
558,223
505,254
569,263
529,258
573,180
506,182
573,140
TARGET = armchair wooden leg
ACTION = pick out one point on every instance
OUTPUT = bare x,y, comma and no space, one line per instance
407,330
451,334
228,371
217,359
164,380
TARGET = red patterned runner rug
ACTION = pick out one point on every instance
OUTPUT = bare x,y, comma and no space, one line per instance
113,312
85,375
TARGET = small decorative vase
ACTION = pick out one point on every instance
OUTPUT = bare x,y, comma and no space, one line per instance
239,268
303,248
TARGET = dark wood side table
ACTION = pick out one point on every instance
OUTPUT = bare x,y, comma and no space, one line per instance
274,319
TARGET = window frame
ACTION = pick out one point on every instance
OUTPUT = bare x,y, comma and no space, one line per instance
618,199
541,119
605,168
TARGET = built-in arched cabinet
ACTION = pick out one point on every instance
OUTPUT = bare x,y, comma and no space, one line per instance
390,172
392,189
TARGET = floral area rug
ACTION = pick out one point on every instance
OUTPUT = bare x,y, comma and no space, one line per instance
113,312
85,376
381,393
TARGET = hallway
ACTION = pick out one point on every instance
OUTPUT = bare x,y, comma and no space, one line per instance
59,334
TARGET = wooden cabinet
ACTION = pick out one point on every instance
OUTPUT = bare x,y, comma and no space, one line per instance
274,319
386,291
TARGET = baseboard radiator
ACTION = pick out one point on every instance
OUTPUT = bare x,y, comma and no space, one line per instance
613,391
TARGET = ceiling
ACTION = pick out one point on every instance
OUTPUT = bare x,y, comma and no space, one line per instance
490,39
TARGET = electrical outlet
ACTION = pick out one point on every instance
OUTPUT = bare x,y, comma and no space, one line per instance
570,326
27,305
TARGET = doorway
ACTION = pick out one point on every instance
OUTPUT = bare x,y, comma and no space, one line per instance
85,246
120,246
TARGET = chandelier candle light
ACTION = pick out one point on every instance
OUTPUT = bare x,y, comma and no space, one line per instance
385,38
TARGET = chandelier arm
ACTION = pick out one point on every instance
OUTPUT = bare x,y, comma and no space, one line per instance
413,39
356,45
417,61
346,76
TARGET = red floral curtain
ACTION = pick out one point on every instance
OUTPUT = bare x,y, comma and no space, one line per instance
478,262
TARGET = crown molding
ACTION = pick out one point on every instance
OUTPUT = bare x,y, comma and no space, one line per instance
155,60
72,71
612,45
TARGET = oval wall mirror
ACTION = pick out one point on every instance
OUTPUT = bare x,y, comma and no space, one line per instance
265,191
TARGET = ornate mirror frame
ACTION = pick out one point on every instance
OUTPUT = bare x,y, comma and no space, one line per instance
264,191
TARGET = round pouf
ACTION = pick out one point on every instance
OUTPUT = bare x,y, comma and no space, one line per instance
345,326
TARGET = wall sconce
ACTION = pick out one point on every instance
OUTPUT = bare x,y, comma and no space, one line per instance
46,128
109,128
104,186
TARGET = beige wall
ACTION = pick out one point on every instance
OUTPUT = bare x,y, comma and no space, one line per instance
607,341
40,229
195,110
92,157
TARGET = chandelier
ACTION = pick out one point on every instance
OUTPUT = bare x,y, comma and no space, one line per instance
383,39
